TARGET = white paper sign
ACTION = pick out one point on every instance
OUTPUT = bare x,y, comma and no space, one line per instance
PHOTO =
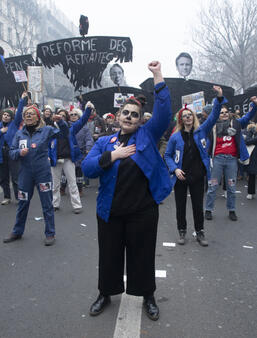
119,99
20,76
35,78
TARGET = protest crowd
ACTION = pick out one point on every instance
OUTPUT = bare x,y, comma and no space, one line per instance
156,151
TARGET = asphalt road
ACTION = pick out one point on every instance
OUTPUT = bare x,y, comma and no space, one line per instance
207,292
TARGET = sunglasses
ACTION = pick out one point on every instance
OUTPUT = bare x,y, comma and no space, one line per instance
73,114
134,114
224,112
187,115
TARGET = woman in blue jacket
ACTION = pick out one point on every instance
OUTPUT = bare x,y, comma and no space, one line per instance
188,162
133,181
8,127
30,146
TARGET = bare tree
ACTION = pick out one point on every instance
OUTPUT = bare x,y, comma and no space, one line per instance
226,40
24,16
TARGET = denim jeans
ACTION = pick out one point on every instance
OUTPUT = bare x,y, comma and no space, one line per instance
227,165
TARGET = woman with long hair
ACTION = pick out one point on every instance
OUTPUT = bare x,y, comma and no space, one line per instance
188,162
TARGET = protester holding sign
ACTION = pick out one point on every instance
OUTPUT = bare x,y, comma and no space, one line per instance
8,127
227,147
188,162
30,146
128,217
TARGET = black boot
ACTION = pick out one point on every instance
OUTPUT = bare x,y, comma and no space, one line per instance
182,238
151,309
232,215
201,238
99,305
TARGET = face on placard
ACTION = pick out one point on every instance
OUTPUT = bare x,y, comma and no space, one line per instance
184,66
224,114
116,75
187,118
129,118
6,117
30,117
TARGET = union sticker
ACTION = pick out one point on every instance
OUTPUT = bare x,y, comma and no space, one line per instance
44,187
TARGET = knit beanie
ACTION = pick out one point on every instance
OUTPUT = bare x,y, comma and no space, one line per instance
10,112
34,108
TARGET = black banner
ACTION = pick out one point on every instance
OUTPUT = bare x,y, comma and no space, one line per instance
84,59
10,90
103,99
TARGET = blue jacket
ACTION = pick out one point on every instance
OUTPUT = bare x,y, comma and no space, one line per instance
13,126
74,147
175,148
147,156
36,161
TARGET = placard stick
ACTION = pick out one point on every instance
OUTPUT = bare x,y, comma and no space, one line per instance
24,87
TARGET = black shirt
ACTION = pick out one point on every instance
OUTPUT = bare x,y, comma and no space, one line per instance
192,163
132,187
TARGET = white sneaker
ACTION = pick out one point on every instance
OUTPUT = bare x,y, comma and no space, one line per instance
5,201
249,196
225,194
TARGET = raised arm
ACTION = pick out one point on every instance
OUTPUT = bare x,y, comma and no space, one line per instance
162,103
253,108
215,113
18,114
76,126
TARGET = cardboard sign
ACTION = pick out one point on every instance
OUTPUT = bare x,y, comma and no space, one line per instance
35,78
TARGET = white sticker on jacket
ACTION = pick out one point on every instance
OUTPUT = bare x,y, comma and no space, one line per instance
203,141
44,187
177,156
22,195
23,144
52,144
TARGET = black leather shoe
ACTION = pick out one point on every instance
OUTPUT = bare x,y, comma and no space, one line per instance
151,309
99,305
12,238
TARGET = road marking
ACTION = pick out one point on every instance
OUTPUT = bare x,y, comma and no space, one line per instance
169,244
128,322
247,247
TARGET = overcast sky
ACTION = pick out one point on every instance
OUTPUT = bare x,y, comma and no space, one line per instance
159,31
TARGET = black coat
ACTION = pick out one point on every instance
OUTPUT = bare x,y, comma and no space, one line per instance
252,167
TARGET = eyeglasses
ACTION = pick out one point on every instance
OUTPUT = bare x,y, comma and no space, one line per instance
73,114
184,116
134,114
30,113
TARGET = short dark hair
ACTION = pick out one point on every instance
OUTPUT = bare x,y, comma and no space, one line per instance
184,55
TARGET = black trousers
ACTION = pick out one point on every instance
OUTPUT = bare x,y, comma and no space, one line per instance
196,190
132,236
9,168
251,184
